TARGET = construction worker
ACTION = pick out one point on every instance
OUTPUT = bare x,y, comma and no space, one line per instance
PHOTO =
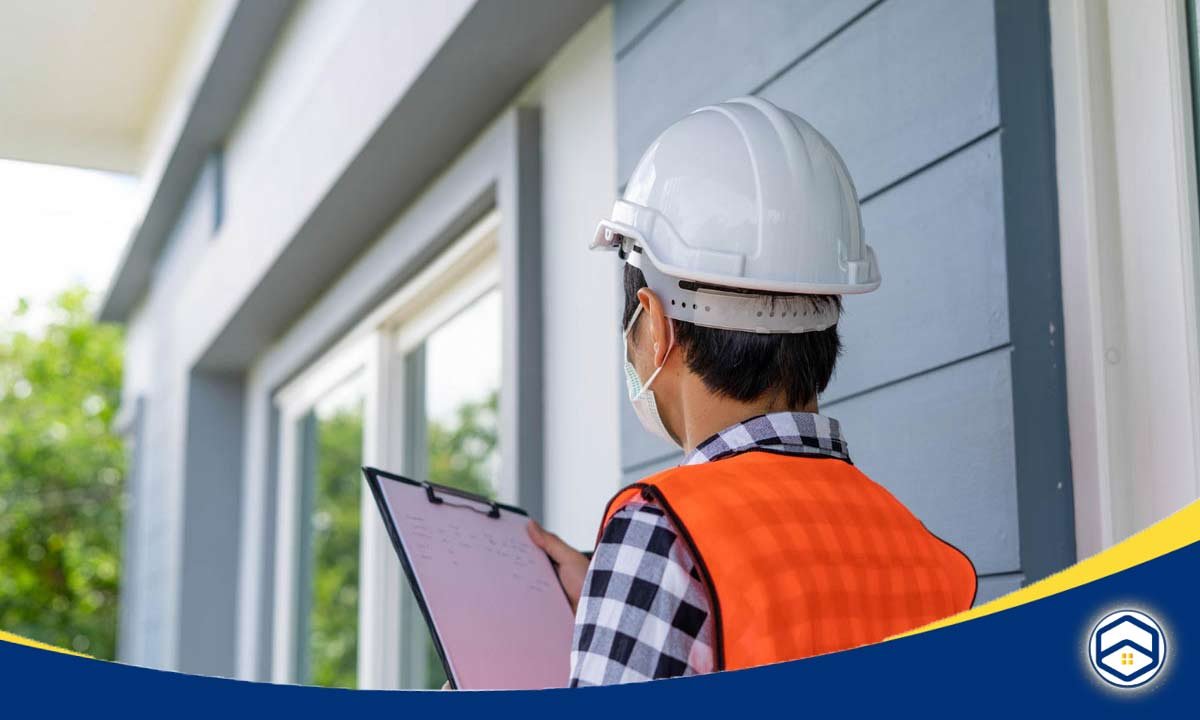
740,229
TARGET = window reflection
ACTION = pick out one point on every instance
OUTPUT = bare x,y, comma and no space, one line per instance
454,379
462,391
333,440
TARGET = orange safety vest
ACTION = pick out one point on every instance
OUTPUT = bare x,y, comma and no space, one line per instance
804,555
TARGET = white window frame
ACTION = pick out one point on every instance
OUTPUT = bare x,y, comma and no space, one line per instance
294,402
1128,232
457,278
376,346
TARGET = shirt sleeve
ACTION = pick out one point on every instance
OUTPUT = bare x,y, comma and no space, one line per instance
644,613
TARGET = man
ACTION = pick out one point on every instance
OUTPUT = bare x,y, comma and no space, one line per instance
740,229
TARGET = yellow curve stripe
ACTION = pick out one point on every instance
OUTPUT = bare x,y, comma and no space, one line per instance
1175,531
18,640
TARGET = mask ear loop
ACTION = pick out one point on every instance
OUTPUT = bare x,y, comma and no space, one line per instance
632,320
657,370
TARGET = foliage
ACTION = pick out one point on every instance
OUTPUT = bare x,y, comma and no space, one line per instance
462,455
61,470
333,621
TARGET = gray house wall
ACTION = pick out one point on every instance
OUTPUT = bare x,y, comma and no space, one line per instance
951,387
157,381
254,245
951,390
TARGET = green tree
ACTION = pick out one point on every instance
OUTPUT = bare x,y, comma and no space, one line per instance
462,454
61,471
333,621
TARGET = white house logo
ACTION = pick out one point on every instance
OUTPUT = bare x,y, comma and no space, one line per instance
1127,648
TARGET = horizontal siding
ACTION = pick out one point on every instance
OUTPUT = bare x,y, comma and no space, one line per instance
907,91
946,222
706,51
940,241
633,17
994,586
902,88
908,83
942,443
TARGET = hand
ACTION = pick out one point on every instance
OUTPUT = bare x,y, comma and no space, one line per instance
572,564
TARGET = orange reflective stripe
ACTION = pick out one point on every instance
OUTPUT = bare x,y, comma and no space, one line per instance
805,555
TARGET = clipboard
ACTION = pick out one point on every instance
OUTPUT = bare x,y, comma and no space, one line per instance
497,612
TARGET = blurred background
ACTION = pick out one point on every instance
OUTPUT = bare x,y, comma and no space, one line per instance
247,246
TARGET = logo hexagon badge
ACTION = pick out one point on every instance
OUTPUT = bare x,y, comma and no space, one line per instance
1127,648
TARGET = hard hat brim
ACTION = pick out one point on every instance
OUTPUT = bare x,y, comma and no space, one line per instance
612,234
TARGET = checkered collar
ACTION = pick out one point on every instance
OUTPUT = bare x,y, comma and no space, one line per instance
797,433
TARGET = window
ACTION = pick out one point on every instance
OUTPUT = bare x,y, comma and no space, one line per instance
414,388
330,455
452,379
321,443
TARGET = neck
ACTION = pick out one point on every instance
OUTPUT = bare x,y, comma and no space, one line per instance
704,414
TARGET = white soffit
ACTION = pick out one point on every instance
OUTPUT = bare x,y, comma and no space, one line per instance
85,83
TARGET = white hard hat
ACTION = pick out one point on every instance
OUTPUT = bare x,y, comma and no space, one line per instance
748,196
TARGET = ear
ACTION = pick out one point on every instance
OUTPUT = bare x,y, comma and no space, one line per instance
655,318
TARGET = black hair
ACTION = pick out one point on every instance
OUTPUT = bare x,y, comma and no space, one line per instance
746,365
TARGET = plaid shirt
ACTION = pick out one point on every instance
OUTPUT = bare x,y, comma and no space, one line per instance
644,612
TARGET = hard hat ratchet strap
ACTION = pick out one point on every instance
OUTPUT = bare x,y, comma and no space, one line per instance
710,307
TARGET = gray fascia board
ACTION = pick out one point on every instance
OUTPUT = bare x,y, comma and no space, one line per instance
494,51
233,69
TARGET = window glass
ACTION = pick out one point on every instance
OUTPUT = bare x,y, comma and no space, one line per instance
453,378
332,441
462,389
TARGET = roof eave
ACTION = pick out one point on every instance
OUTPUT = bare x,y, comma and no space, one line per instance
233,64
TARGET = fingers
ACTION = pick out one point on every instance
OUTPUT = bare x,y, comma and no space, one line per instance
550,543
570,564
537,534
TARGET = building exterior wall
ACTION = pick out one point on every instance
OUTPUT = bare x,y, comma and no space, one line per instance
951,390
910,93
156,376
318,100
581,306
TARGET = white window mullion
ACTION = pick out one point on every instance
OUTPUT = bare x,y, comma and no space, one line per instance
380,588
391,638
283,637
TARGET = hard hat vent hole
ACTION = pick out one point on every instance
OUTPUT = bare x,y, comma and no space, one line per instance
672,302
707,308
693,306
760,313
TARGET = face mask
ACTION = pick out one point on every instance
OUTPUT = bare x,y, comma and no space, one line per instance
640,396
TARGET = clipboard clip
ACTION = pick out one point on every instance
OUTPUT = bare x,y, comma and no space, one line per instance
431,492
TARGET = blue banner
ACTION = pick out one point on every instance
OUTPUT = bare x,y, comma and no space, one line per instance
1114,634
